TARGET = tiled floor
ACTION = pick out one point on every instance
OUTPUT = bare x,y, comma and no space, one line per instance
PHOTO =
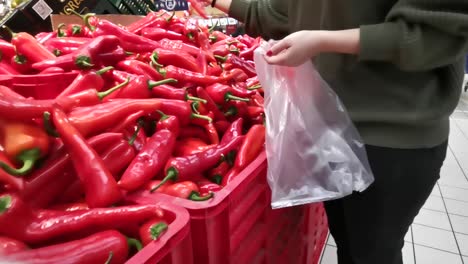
439,234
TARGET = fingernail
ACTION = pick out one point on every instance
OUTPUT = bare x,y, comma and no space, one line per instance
269,53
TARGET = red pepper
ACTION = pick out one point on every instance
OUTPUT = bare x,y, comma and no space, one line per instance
87,56
235,130
170,123
222,126
182,110
179,45
143,23
112,57
70,207
216,175
236,74
255,111
117,157
9,246
257,100
221,93
187,190
141,87
38,191
130,120
75,30
140,68
20,64
149,161
85,80
158,34
23,143
194,131
66,45
7,50
21,222
97,248
251,147
210,104
94,119
42,37
52,70
22,109
236,109
230,176
176,58
27,45
200,108
152,230
129,41
202,63
7,92
247,67
170,92
190,146
186,76
207,187
5,178
182,168
214,70
202,122
248,53
99,185
5,68
212,133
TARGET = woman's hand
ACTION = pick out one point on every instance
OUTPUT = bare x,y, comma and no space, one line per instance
301,46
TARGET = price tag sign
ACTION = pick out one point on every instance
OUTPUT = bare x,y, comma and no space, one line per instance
172,5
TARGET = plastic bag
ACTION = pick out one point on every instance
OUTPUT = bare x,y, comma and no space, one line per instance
314,151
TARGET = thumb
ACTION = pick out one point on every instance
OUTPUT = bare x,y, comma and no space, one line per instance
278,47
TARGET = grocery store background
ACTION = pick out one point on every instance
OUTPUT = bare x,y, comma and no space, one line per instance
439,233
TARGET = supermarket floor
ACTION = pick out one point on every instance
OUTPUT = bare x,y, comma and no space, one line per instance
439,233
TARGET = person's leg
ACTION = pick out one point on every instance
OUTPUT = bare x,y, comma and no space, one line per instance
376,221
337,226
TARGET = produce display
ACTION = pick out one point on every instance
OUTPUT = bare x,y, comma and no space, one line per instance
163,105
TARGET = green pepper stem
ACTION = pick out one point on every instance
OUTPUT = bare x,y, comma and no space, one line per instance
48,126
28,157
213,27
76,30
104,70
5,203
228,96
194,98
171,174
20,59
132,242
213,38
60,33
109,259
195,107
232,111
195,196
101,95
132,139
221,58
204,117
12,34
216,179
154,60
254,87
157,230
152,84
83,62
171,17
57,52
84,17
163,115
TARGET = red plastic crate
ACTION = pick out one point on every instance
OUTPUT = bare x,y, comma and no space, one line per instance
239,226
174,246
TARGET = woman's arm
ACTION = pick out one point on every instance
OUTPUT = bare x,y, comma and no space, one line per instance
299,47
265,18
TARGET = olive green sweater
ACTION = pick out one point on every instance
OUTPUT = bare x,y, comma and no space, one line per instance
402,87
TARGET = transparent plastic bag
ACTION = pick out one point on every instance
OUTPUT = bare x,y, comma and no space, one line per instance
314,151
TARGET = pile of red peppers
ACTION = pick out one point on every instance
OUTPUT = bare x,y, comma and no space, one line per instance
163,105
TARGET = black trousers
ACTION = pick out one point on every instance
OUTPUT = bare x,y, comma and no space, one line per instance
369,227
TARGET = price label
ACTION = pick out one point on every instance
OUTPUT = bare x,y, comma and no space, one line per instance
42,9
172,5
